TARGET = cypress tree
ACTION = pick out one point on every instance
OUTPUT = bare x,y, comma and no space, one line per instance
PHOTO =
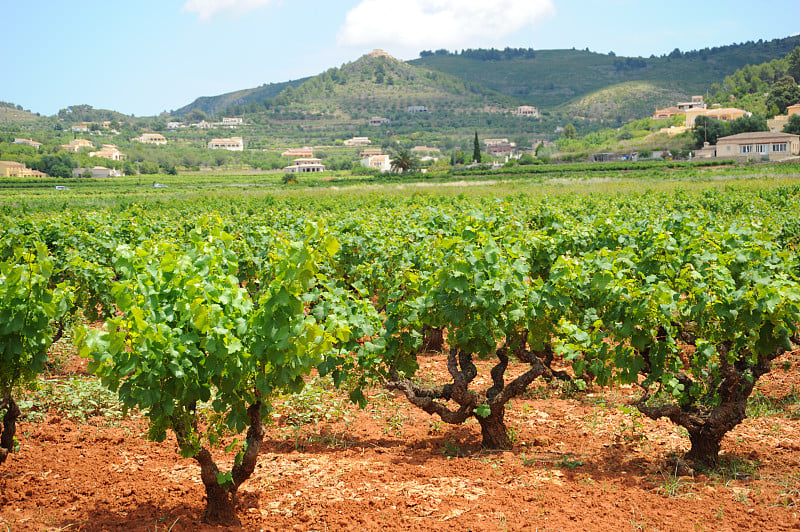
476,150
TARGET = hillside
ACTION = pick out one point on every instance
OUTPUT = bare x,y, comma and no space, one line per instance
213,105
373,84
623,101
559,79
10,113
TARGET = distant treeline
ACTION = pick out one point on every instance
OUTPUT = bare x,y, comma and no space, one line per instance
781,46
482,54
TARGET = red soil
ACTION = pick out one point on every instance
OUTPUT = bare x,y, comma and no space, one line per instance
579,463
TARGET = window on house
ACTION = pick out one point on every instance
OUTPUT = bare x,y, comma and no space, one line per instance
746,148
762,148
779,147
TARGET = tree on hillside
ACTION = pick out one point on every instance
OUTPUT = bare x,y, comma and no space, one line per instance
793,60
707,129
793,126
476,149
197,115
784,93
569,132
747,124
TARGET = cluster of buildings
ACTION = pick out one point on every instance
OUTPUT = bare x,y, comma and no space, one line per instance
500,147
523,110
15,169
85,127
75,145
226,122
109,151
697,107
780,121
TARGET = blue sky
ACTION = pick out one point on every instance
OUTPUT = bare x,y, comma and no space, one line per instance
147,56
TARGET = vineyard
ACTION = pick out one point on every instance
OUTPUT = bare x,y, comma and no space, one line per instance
509,358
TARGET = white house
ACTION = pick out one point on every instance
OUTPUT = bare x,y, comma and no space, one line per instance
230,144
527,110
306,151
151,138
377,162
305,165
108,151
28,142
76,144
759,144
97,171
357,141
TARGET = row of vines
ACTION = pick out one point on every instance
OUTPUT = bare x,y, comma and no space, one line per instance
210,308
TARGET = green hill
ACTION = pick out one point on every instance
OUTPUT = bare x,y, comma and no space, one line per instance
622,101
573,82
561,79
213,105
11,113
373,84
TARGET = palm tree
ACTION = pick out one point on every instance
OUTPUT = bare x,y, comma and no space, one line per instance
404,162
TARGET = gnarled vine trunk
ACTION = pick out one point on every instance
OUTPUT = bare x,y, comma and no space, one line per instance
221,497
9,428
708,425
432,339
494,431
461,368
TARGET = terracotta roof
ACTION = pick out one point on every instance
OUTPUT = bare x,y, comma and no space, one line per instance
755,135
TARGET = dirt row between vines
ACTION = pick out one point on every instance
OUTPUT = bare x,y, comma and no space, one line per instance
580,462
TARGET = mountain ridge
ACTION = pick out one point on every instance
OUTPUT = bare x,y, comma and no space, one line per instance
554,80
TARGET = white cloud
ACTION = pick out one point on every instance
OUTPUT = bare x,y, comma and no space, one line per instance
420,24
206,9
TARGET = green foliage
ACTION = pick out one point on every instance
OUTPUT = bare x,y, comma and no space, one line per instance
784,93
793,64
225,300
316,403
29,306
708,129
77,398
189,332
570,463
452,450
403,161
482,410
793,126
